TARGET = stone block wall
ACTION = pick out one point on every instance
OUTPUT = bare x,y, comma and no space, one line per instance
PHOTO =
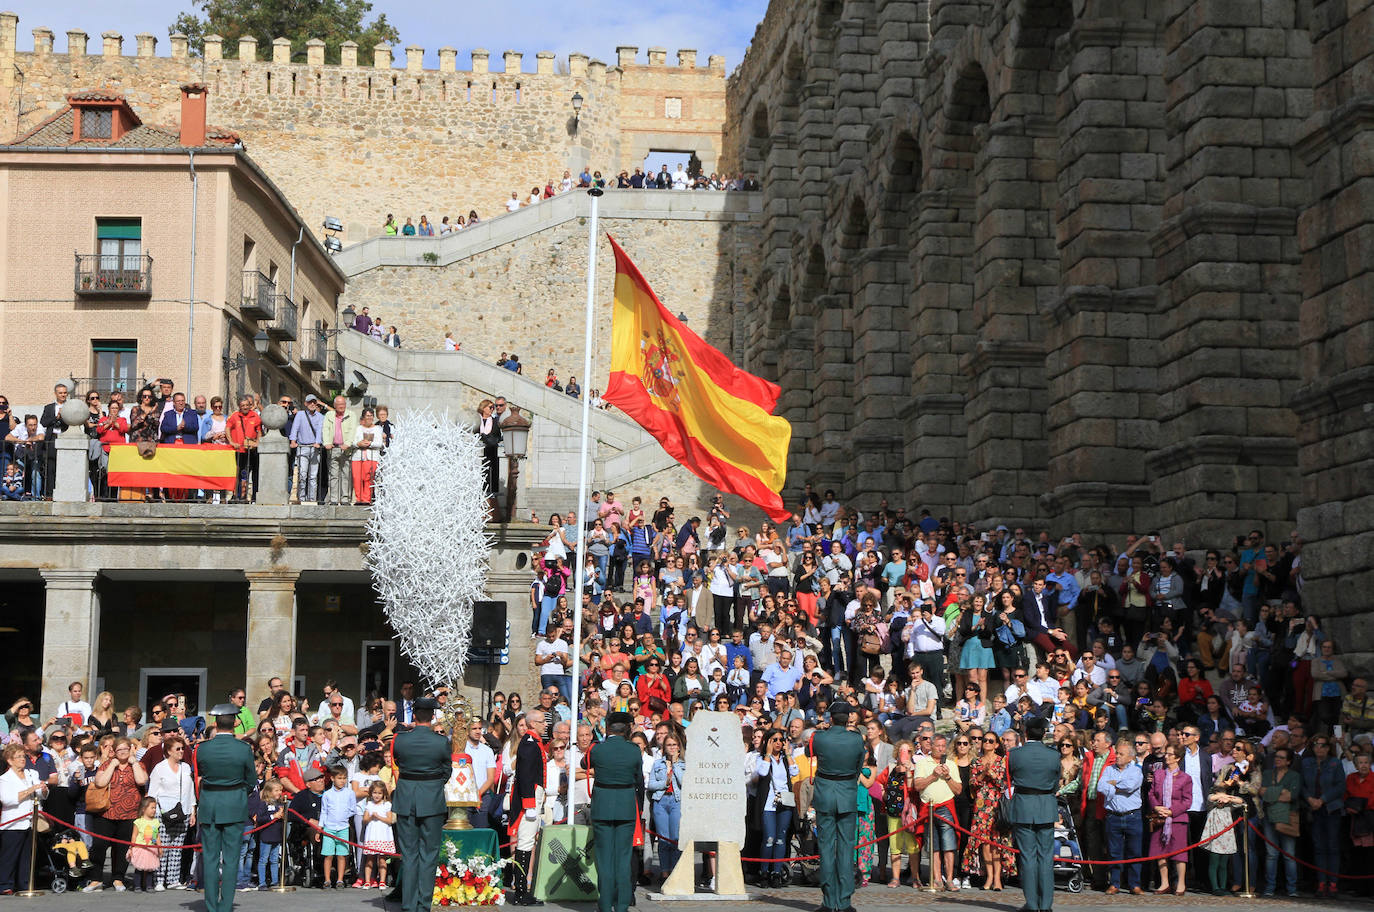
1135,293
375,132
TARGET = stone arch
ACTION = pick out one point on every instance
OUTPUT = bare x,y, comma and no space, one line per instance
1036,29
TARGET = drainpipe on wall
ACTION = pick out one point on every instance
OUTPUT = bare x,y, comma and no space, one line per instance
191,298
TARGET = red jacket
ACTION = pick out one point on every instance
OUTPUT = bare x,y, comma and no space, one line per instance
1099,804
646,688
241,428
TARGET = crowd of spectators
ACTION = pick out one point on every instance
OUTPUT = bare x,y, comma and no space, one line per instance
663,179
1184,685
334,451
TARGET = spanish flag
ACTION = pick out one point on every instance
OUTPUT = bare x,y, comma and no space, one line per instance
203,466
709,415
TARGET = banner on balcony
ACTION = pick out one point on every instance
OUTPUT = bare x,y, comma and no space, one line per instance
205,467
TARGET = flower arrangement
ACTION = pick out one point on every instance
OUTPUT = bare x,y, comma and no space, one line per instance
468,881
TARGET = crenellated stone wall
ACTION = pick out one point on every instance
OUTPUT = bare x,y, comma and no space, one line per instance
374,132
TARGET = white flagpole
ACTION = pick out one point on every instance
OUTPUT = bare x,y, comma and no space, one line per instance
581,570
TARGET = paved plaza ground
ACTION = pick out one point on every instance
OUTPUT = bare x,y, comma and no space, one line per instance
869,899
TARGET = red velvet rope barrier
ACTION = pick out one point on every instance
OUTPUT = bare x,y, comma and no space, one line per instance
1306,864
193,847
1089,861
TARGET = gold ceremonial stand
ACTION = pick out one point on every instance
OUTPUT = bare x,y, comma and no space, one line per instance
33,855
285,860
1246,893
458,815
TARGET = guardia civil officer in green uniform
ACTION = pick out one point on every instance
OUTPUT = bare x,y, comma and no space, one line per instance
839,755
225,767
618,770
423,761
1034,768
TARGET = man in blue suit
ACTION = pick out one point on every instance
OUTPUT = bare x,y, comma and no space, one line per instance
1034,768
180,424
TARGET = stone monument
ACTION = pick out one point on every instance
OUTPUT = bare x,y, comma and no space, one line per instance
713,807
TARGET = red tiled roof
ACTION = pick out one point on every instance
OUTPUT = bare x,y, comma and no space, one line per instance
57,131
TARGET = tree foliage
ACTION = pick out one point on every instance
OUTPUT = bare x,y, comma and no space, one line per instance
333,21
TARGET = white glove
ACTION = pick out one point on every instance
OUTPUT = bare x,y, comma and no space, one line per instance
530,814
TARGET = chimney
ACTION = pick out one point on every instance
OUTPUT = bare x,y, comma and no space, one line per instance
193,114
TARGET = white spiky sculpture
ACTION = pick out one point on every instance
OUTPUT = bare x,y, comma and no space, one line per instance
428,543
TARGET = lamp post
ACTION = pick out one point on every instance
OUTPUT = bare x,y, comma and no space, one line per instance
261,343
515,434
577,110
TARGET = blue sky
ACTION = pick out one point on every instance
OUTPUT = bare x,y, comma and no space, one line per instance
594,28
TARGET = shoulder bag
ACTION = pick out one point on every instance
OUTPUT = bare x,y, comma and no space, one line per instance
175,815
97,797
1001,812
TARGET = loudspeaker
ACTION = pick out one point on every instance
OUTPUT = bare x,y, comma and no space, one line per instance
488,625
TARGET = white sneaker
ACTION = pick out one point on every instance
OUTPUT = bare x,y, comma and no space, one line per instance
160,888
94,886
119,886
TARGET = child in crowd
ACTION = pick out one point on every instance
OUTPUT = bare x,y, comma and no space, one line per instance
336,807
144,855
12,487
717,684
1064,710
377,839
737,683
267,805
1001,719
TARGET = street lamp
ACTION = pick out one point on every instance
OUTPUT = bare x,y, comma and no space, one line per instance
515,434
349,315
577,110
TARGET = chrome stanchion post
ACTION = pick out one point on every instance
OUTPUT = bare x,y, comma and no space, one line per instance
33,854
930,849
1245,893
282,886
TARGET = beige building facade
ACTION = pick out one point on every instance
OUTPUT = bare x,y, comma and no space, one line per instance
130,252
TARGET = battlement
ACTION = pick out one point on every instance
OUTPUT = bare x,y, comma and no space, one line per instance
284,53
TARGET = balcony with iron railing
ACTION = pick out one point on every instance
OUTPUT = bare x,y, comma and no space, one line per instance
114,275
106,385
334,370
283,327
315,350
259,296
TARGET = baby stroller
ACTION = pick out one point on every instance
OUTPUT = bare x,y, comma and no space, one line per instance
67,870
1066,847
803,842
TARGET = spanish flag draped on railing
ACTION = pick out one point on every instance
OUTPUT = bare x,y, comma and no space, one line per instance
204,467
709,415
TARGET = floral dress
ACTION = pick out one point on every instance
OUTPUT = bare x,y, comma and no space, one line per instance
866,856
990,783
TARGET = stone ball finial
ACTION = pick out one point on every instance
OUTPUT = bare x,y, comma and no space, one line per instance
274,417
74,412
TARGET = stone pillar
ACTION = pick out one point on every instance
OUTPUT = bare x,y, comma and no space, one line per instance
271,647
511,587
281,50
881,359
481,59
833,393
936,470
625,56
348,54
180,46
214,47
1099,334
145,44
448,60
71,634
70,484
1226,458
381,56
577,65
513,60
543,63
596,71
112,44
314,52
415,58
1335,401
42,41
76,45
273,451
248,49
716,62
658,56
687,59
